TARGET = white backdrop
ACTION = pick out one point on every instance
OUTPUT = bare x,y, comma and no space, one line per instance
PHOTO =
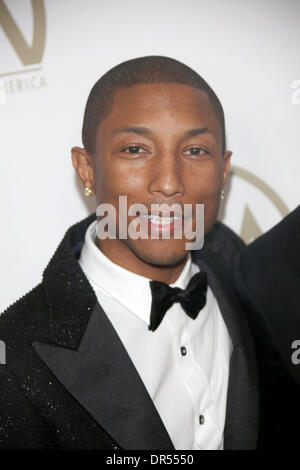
247,51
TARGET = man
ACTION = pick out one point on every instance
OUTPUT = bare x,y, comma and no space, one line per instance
267,277
137,343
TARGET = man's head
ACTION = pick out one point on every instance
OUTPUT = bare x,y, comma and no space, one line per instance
153,131
143,70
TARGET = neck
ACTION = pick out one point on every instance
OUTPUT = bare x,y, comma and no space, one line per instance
121,254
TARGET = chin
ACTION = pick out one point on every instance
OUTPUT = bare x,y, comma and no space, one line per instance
161,252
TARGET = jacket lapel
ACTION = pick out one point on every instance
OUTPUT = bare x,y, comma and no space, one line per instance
241,426
86,355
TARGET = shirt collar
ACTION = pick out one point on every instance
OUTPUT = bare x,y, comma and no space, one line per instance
130,289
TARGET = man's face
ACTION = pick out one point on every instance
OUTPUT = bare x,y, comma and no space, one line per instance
150,149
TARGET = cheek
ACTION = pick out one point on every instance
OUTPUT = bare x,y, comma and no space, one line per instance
205,183
116,178
205,189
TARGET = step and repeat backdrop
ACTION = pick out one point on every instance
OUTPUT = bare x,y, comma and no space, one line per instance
52,52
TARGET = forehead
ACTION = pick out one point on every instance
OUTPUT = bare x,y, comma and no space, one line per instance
172,104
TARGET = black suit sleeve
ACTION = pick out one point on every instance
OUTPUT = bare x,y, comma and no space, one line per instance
21,426
279,393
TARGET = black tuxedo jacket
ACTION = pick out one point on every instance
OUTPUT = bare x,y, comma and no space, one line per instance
68,381
267,278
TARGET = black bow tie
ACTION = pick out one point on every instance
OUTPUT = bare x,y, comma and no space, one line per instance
192,299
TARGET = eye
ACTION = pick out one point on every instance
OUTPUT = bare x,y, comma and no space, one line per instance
133,149
196,151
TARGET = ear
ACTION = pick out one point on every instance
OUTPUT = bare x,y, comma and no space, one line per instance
84,167
226,166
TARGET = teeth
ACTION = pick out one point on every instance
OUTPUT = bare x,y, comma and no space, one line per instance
160,220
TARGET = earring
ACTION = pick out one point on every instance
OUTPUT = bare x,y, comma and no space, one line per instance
222,194
88,191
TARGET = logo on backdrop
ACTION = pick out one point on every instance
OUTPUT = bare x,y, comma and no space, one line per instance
28,76
253,198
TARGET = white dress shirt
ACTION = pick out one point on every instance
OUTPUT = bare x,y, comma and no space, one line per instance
184,363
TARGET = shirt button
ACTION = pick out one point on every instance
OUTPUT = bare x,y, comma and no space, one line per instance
201,419
183,351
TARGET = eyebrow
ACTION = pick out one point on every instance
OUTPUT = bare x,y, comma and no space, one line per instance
146,131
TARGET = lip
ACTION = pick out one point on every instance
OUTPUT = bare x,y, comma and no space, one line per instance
152,228
163,214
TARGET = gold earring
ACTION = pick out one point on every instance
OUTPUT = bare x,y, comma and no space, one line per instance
88,191
222,194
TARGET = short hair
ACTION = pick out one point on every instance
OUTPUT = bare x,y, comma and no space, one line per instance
142,70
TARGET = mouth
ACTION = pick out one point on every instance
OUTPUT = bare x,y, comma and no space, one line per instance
162,224
161,220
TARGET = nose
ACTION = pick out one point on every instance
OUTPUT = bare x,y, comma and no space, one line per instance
166,175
